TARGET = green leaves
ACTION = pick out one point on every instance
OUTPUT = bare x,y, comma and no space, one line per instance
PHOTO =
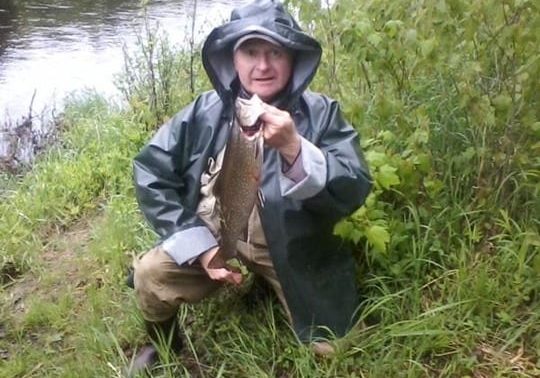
358,228
347,230
378,236
387,177
382,171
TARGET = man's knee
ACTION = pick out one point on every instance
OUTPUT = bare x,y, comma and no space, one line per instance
156,275
148,268
155,299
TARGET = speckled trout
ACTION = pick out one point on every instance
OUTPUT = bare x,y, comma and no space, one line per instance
237,186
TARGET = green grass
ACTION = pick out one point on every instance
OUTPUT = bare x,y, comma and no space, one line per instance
470,313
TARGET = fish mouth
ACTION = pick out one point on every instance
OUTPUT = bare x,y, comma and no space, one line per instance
252,130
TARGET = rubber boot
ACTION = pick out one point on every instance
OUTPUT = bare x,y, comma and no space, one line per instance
162,334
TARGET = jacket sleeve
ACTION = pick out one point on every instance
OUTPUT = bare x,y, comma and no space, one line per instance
161,186
309,171
347,181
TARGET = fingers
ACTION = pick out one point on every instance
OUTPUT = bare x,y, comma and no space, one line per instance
275,116
273,110
273,119
220,274
280,132
279,128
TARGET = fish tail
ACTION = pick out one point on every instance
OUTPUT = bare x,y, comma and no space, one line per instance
217,261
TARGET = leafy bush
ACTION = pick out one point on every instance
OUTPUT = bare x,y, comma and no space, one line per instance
445,97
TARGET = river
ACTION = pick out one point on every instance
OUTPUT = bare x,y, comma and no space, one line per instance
53,47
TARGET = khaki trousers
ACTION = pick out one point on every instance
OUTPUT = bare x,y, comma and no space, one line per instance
161,285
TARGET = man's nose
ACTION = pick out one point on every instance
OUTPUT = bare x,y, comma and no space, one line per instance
263,62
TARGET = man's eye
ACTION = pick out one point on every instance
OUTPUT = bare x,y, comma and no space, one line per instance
251,52
276,53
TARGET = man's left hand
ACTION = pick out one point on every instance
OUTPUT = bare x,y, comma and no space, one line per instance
280,132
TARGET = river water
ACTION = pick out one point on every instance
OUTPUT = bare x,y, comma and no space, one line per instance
49,48
55,46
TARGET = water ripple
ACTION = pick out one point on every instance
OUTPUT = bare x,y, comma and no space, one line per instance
57,48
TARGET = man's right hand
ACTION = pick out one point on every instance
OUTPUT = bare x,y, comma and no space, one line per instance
221,274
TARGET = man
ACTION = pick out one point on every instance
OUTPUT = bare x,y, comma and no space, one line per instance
313,174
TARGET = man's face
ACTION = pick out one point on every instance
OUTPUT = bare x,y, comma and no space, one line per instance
263,68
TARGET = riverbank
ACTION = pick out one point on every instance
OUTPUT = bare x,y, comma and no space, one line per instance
22,140
447,245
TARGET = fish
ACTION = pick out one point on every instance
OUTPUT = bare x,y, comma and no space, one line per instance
238,184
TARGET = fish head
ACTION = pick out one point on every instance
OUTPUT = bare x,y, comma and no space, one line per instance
248,113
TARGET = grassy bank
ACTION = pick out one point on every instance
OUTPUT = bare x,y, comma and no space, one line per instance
446,99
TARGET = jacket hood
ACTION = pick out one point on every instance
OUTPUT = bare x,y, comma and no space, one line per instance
267,17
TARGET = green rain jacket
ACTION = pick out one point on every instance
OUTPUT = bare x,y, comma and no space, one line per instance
315,269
